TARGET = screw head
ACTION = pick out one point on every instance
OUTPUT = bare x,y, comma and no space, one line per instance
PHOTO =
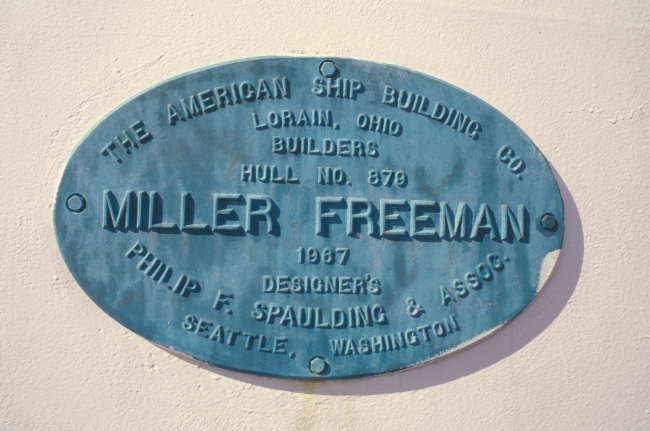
317,365
548,222
328,69
76,203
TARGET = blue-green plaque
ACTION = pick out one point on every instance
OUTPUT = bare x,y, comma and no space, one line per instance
309,218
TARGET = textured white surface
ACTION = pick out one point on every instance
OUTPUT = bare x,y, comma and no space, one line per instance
573,75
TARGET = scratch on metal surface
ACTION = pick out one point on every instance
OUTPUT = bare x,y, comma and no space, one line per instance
237,159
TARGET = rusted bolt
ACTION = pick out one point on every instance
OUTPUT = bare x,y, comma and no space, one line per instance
548,222
317,365
76,203
327,69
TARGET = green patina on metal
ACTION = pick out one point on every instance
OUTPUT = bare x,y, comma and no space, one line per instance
309,218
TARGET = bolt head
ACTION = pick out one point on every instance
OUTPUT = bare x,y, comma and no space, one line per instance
76,203
548,222
328,69
317,365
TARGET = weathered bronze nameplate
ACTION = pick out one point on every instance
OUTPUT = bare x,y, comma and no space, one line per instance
309,218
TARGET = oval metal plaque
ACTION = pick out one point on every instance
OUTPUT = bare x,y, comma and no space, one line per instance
309,218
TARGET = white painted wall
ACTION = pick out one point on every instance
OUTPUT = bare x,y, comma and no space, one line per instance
574,75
